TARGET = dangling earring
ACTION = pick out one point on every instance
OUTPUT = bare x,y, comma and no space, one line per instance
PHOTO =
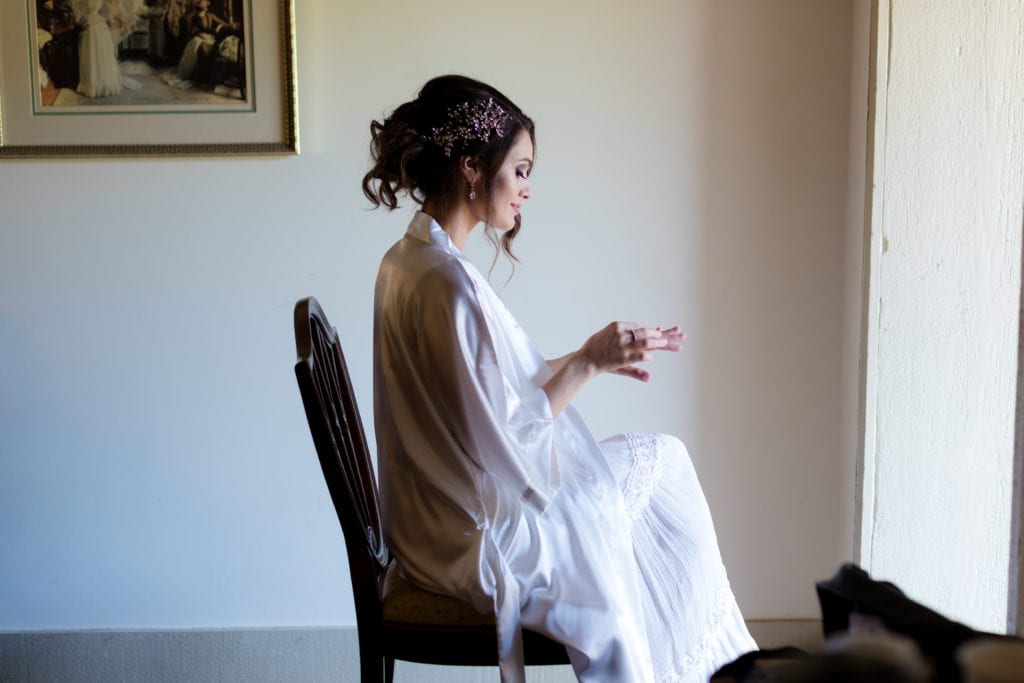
472,191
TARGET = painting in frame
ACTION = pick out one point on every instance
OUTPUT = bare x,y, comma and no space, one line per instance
144,77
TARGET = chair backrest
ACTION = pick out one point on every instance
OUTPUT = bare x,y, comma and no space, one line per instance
344,458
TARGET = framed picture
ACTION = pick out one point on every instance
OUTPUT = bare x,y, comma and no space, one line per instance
140,77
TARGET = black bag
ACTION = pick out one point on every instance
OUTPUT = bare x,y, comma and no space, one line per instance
851,590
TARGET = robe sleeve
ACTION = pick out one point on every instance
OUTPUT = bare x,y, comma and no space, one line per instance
502,423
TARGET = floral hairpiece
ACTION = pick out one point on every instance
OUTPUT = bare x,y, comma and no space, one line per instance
471,121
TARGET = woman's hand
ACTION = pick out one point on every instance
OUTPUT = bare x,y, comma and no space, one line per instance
615,348
619,345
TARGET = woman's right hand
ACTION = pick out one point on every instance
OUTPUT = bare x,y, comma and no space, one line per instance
617,346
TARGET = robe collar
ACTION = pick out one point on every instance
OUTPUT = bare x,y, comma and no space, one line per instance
426,229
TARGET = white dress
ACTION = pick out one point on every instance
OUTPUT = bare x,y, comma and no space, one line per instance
99,73
608,548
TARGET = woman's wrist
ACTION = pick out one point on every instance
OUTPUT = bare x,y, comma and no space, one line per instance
581,365
574,371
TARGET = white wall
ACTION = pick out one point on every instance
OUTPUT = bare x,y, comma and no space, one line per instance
948,287
767,387
155,467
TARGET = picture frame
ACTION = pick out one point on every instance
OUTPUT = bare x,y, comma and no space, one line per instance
147,77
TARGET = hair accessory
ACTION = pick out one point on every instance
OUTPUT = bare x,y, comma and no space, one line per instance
471,121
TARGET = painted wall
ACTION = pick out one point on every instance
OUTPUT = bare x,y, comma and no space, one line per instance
155,467
948,289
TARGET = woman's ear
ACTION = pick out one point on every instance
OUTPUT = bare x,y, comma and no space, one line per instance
470,167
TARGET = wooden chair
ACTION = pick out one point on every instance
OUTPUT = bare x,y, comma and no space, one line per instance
395,619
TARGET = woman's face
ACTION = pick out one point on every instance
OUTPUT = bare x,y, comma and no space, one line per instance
511,187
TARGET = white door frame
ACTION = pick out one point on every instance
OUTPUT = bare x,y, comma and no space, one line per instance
878,83
1015,597
866,451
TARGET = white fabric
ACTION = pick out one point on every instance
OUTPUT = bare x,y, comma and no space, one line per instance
608,548
99,73
105,24
197,48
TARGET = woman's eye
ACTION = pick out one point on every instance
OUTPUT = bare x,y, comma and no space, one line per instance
521,173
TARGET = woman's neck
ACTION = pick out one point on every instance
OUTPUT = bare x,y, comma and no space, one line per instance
458,222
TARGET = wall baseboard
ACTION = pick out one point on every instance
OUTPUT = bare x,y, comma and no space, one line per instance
308,655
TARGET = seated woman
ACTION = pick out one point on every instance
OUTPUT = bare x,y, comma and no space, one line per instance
58,42
493,488
204,27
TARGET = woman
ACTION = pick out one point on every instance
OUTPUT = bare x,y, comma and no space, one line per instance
99,72
203,29
105,24
493,489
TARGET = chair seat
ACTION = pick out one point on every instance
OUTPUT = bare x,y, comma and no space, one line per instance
404,603
421,625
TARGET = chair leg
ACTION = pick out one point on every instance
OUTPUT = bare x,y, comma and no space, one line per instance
371,662
371,668
389,669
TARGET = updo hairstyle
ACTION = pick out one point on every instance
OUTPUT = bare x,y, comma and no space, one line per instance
407,159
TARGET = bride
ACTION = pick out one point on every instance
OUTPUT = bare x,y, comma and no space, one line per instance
105,23
493,488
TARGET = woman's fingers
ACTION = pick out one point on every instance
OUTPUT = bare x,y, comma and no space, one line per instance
620,345
626,332
654,338
674,334
634,372
673,337
641,337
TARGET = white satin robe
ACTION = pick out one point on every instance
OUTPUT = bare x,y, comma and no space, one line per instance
487,498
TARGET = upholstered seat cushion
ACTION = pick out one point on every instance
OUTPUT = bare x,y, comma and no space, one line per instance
404,603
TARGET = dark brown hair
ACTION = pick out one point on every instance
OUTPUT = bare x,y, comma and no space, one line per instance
406,158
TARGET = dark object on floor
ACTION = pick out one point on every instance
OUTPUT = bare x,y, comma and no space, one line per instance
853,591
791,665
395,620
842,668
754,666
